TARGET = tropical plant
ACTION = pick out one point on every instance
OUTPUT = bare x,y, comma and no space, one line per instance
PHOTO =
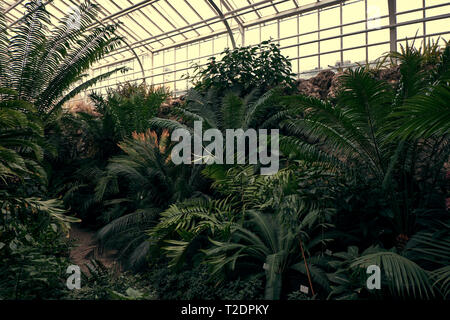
263,219
416,272
86,141
356,134
21,140
100,283
367,136
33,251
136,187
184,228
227,112
126,109
47,65
426,113
244,69
195,282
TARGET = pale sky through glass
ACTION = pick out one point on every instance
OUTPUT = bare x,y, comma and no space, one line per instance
170,35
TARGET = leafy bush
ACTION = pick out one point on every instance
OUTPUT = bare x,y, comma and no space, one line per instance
196,283
244,69
80,165
33,251
127,109
136,188
21,141
100,283
43,62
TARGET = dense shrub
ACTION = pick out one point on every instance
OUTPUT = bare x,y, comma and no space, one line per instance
100,283
197,283
362,177
244,69
87,141
127,109
389,184
33,249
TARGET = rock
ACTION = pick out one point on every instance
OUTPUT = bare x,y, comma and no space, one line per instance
307,88
391,75
166,106
335,85
317,86
82,107
323,81
325,85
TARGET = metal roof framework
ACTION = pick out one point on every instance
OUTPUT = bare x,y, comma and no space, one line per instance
151,27
154,25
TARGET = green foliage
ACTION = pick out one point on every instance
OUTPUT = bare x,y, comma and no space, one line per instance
33,252
298,295
43,62
361,181
245,68
40,64
128,108
86,143
99,283
356,134
196,283
136,187
21,140
347,283
402,275
389,185
227,112
184,227
262,220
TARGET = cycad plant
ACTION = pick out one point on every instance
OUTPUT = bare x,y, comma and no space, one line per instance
426,113
281,227
418,272
394,140
260,223
86,141
227,112
359,134
21,140
48,64
136,187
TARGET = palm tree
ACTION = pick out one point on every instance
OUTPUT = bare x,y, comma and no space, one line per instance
357,134
404,274
231,111
427,113
21,140
47,64
396,139
136,187
260,221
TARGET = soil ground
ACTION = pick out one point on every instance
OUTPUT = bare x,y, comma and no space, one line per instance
86,247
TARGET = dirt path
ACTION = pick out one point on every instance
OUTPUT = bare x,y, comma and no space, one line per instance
87,248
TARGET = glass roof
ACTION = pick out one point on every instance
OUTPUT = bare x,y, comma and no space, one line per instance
152,25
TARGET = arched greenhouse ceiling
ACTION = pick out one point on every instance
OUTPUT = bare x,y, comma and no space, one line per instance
154,27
